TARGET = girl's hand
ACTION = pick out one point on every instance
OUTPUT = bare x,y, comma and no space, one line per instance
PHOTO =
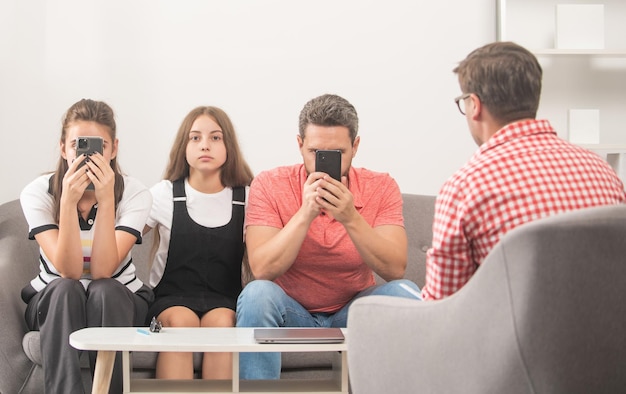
75,181
102,176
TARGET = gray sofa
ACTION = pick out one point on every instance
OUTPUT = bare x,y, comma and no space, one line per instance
20,360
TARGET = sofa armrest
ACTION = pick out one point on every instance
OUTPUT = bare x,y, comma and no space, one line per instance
18,265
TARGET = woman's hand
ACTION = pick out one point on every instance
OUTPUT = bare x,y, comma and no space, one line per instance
75,181
102,176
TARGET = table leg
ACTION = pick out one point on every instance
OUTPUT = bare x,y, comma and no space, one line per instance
235,372
340,371
103,372
126,368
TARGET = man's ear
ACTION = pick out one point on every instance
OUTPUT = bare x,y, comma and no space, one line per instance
355,145
477,107
300,141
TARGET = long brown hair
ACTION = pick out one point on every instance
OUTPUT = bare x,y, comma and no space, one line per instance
89,111
235,171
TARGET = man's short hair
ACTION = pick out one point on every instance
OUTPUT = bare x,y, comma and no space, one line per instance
506,77
329,110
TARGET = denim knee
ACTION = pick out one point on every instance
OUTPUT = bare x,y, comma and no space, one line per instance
259,294
399,288
257,304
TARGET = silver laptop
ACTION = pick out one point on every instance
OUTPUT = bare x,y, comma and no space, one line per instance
298,335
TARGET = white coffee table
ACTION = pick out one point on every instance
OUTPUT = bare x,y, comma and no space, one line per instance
108,341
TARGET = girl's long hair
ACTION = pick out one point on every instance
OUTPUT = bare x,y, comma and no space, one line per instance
235,171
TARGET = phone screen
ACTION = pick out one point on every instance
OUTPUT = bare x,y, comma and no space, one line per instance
329,161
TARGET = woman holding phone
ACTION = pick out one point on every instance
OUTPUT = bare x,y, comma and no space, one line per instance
87,278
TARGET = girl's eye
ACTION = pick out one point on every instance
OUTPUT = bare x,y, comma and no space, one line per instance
217,138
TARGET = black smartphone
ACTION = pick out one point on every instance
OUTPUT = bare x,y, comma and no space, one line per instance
329,161
88,146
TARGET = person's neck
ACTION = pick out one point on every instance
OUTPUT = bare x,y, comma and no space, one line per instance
206,183
87,201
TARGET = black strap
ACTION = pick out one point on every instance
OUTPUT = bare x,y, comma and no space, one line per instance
239,194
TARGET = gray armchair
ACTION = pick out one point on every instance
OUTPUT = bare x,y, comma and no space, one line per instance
545,313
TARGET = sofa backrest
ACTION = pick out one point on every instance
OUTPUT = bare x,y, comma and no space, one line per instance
418,211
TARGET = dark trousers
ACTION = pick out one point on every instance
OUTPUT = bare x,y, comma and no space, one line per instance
63,307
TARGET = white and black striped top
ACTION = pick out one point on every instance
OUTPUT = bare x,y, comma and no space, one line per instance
131,215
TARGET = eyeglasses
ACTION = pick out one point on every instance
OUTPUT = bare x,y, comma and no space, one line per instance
460,102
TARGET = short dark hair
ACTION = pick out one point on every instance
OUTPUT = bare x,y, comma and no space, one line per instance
506,77
329,110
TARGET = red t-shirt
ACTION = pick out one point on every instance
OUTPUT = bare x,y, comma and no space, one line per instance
328,271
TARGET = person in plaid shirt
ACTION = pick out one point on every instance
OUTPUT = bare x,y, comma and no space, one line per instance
521,172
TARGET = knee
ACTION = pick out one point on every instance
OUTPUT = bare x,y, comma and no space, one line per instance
179,316
101,287
404,283
219,317
401,288
67,289
109,291
66,285
258,295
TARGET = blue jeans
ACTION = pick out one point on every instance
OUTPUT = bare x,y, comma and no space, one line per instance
262,303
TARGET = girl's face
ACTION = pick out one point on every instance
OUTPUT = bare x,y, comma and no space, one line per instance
206,151
83,128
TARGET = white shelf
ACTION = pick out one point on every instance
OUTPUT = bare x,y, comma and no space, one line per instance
573,78
605,147
581,52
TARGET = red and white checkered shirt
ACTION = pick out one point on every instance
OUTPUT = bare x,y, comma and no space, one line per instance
522,173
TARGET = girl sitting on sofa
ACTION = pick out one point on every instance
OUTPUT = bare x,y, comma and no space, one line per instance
199,210
86,217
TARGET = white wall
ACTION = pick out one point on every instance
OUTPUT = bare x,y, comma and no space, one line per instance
154,60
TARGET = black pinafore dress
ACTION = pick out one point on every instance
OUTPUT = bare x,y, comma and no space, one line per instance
203,268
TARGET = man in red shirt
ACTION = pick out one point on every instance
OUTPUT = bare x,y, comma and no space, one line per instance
314,242
521,172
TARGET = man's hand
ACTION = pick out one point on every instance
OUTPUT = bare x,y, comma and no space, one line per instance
383,248
335,198
311,206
